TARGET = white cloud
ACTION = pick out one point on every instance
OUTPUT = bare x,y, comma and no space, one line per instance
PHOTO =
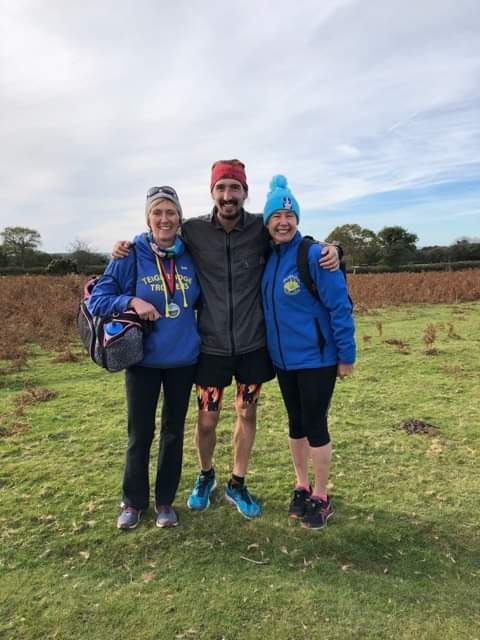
348,150
347,98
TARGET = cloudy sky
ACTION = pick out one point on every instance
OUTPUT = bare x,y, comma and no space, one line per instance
371,108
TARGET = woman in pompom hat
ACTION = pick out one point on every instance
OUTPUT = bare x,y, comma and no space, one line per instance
311,342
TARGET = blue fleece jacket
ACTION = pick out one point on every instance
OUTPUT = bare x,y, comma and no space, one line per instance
174,342
302,332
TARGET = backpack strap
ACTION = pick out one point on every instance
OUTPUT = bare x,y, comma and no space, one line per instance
302,265
304,270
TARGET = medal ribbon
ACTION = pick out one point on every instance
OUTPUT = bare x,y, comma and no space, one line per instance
168,277
169,283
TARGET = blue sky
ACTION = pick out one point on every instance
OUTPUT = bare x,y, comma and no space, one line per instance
449,210
371,108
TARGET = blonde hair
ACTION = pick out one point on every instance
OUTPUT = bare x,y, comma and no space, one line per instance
151,203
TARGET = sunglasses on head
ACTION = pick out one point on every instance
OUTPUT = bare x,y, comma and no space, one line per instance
167,190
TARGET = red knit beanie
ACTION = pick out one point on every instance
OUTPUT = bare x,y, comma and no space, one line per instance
231,169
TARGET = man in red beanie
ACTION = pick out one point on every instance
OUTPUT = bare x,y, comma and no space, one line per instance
229,247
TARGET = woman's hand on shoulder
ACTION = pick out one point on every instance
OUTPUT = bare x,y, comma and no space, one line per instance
144,309
344,370
329,259
121,249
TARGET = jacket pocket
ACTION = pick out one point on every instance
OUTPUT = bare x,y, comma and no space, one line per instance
320,336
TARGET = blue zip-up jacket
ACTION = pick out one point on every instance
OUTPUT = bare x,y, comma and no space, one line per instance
174,342
302,332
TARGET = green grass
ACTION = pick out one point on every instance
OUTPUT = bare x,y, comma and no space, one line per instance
400,559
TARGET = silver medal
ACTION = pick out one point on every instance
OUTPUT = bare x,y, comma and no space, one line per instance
173,310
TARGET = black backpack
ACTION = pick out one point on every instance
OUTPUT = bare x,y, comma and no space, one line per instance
304,271
114,342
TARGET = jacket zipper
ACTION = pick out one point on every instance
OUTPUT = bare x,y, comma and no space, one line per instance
230,293
277,328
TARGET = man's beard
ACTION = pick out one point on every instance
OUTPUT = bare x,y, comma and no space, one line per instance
229,214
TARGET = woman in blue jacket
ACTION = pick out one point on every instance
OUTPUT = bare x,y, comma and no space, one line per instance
311,343
165,291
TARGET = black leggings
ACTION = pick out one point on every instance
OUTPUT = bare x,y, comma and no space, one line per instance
143,386
307,394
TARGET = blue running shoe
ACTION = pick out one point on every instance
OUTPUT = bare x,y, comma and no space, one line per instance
241,498
199,499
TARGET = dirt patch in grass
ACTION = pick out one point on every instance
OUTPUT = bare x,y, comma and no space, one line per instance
413,425
32,395
67,356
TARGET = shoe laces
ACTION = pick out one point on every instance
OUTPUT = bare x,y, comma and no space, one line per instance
244,494
130,510
300,495
164,508
201,483
317,505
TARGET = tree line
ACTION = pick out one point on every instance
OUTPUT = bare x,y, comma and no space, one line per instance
389,250
393,247
19,251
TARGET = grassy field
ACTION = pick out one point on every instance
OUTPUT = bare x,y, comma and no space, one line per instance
400,559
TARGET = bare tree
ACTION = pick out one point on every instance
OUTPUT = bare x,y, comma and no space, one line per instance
82,254
80,245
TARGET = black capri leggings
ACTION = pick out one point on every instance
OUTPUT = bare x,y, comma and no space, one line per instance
307,394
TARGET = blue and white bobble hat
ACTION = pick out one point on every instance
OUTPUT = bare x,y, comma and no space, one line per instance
279,198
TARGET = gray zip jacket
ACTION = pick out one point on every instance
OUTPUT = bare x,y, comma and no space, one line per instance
229,268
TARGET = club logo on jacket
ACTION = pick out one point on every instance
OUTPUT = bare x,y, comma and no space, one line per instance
291,285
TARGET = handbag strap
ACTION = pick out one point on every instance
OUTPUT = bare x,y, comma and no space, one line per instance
147,325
